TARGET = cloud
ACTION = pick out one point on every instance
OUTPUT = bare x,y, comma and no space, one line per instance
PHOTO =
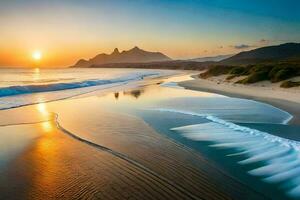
260,43
264,41
241,46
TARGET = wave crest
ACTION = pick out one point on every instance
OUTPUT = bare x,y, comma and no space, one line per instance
276,159
28,89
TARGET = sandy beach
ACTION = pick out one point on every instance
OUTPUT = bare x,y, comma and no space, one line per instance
75,149
112,144
285,99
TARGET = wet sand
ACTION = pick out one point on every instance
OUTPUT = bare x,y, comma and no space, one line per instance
278,99
66,159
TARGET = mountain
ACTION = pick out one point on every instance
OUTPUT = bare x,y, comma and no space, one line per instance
283,52
134,55
173,64
212,58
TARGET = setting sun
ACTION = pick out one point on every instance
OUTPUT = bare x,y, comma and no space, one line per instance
37,55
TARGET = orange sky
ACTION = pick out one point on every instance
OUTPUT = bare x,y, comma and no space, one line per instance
66,53
65,31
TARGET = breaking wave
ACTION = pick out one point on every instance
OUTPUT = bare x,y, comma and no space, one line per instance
28,89
278,159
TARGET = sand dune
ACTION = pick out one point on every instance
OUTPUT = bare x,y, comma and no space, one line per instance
287,99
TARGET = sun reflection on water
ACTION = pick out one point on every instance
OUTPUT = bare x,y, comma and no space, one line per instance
47,126
36,74
37,70
42,109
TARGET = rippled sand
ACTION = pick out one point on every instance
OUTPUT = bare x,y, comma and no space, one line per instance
76,149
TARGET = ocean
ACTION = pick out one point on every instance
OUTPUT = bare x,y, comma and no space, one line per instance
54,84
244,138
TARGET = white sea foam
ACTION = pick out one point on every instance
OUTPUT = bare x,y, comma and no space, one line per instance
15,96
171,85
26,89
278,158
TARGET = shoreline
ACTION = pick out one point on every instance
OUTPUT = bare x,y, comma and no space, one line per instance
280,99
114,156
78,117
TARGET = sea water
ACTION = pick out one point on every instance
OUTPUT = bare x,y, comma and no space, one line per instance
244,138
19,87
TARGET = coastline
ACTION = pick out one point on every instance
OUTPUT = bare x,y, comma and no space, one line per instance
285,100
116,152
84,125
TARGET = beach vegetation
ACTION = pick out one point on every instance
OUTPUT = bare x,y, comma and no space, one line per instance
231,77
216,71
254,77
274,72
289,84
283,72
237,70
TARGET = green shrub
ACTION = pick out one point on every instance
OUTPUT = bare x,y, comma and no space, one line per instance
260,68
283,74
274,71
216,71
247,70
237,70
231,77
255,77
289,84
284,71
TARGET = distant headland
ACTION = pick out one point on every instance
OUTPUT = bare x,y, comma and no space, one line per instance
139,58
134,55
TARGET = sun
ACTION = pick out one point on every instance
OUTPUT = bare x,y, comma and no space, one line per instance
37,55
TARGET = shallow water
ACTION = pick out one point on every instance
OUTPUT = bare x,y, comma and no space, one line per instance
236,135
19,87
221,128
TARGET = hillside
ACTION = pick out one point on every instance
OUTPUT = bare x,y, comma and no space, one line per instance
134,55
212,58
173,64
284,56
283,52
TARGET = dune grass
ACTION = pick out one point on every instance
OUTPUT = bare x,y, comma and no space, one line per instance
289,84
274,72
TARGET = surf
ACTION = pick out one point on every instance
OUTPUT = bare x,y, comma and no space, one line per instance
272,158
28,89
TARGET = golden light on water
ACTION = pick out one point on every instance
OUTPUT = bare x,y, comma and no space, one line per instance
48,125
36,74
41,107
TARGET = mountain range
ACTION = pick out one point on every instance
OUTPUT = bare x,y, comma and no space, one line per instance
212,58
134,55
282,52
138,58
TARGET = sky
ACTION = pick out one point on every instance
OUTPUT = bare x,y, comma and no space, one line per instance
67,30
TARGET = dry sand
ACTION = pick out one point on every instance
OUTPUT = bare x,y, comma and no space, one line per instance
286,99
